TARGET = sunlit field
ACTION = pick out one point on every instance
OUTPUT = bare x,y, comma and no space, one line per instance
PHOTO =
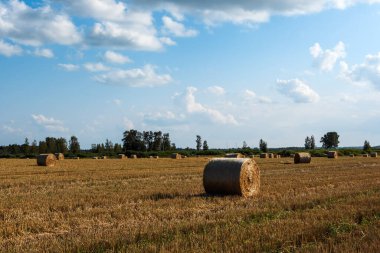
149,205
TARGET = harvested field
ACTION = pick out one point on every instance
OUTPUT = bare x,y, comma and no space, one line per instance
149,205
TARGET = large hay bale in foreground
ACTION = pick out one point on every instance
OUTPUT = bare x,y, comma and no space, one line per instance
59,156
374,154
233,176
264,155
332,154
46,160
302,157
121,156
175,156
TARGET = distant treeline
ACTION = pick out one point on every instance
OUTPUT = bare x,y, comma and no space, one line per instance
156,143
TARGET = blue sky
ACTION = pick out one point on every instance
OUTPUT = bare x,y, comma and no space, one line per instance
228,71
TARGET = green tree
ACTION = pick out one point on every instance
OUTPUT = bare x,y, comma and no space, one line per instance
25,147
51,144
312,142
307,143
42,147
198,142
330,140
74,145
61,144
366,146
34,148
245,145
166,142
263,146
157,141
205,145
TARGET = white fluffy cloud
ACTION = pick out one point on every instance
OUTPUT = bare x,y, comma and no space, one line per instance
366,73
50,124
95,67
250,95
326,59
138,77
114,57
297,90
245,11
216,90
137,36
9,49
36,26
212,114
176,28
69,67
43,52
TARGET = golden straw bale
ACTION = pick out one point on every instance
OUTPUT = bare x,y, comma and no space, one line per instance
46,160
366,155
121,156
332,154
302,157
264,155
374,154
59,156
176,156
133,156
234,155
233,176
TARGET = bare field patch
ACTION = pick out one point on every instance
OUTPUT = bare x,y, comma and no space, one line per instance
150,205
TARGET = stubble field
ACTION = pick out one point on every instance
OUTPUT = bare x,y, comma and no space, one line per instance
148,205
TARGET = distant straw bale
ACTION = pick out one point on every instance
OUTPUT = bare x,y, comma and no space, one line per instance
365,155
352,155
277,156
302,157
95,157
59,156
332,154
234,155
104,157
264,155
121,156
175,156
270,155
133,156
46,160
233,176
374,154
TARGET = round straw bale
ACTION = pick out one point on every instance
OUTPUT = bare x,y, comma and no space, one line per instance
234,155
134,156
46,160
302,157
332,154
264,155
270,155
374,154
95,157
352,155
232,176
59,156
176,156
365,155
121,156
